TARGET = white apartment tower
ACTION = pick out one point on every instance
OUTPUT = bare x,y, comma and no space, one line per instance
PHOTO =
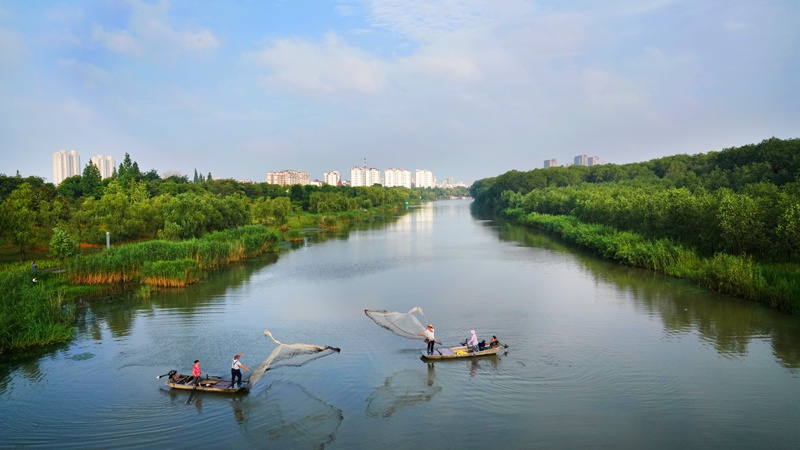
361,176
424,179
333,178
581,160
65,164
548,163
594,161
397,178
105,164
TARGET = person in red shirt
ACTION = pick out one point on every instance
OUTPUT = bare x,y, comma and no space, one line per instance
196,372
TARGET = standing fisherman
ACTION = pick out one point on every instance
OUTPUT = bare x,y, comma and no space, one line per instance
235,372
429,337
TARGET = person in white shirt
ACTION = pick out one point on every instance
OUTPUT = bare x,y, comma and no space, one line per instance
235,369
429,338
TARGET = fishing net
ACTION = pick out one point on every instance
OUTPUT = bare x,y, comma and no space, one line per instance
402,324
290,355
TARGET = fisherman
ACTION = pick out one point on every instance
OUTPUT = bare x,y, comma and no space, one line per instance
235,372
196,372
429,337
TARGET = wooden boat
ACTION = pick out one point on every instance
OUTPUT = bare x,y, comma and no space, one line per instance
460,352
207,384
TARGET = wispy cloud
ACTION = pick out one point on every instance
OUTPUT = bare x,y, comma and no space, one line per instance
329,66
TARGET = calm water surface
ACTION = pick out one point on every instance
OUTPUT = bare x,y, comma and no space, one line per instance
600,356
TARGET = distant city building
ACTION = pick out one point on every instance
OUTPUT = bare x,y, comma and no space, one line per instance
424,179
333,178
581,160
548,163
397,178
594,161
244,181
362,176
65,164
288,177
105,164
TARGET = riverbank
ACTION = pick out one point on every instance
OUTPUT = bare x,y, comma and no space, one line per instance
777,286
39,313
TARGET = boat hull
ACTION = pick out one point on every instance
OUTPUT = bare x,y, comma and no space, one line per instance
209,384
459,352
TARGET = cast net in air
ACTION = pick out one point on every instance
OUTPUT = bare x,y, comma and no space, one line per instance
402,324
290,355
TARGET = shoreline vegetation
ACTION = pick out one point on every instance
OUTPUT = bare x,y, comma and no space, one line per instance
35,314
91,235
728,221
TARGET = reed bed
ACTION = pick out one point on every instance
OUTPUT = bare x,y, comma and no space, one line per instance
177,273
32,314
776,286
123,264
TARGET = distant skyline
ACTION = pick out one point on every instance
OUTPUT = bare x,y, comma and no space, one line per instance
467,89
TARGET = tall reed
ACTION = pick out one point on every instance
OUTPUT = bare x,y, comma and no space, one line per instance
32,314
774,285
124,263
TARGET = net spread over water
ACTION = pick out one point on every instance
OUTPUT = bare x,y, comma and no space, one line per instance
290,355
402,324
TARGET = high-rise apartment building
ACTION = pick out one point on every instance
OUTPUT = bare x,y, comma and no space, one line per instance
397,178
105,164
65,164
548,163
288,177
424,179
362,176
594,161
333,178
581,160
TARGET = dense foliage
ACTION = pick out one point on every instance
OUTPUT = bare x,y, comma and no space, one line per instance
742,202
134,205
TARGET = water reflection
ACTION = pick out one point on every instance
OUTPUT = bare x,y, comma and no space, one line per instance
730,325
401,390
293,418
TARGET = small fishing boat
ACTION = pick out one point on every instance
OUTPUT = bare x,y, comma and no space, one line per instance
207,383
460,352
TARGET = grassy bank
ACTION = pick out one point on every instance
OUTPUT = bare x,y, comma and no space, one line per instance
41,313
33,313
774,285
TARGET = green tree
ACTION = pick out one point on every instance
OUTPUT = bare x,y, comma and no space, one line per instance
19,217
789,230
91,181
62,246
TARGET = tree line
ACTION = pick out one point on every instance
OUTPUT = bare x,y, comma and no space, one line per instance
743,201
134,205
729,219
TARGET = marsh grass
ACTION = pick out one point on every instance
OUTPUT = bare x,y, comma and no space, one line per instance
776,286
124,263
32,314
176,273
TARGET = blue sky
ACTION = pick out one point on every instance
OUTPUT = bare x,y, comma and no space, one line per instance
465,88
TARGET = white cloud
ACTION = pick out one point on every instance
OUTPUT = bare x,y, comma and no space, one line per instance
121,41
150,33
327,67
424,20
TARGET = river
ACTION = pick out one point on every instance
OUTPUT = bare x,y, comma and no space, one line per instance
599,356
